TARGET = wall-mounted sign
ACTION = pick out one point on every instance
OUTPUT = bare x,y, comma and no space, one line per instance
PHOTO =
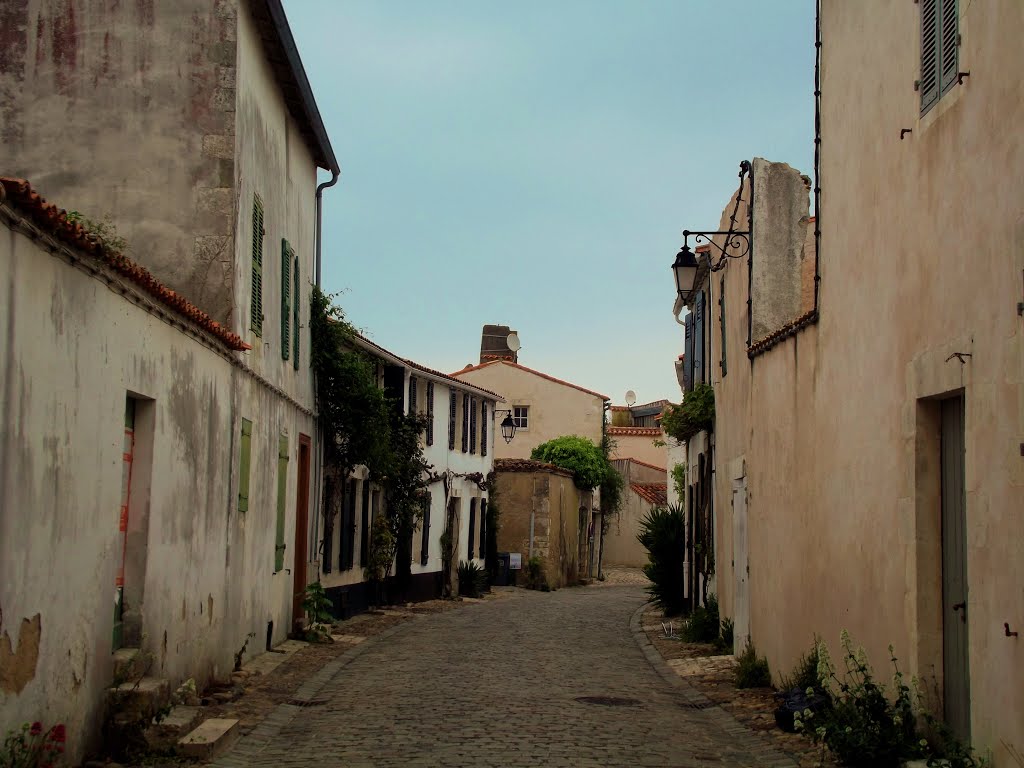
515,561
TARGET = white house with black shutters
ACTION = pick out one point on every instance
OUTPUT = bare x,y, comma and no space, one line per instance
458,443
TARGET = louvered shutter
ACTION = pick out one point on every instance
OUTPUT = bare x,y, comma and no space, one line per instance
244,454
688,354
465,423
929,83
483,528
425,542
949,44
451,421
698,339
282,495
295,316
472,425
471,543
364,541
430,413
286,298
256,302
350,524
412,395
483,428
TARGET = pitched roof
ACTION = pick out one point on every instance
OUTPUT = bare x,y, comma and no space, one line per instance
643,463
470,368
528,465
653,493
634,431
50,219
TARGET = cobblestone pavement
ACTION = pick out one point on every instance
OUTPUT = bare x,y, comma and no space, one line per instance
499,684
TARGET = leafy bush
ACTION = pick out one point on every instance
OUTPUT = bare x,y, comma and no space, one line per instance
703,626
726,639
472,579
752,670
663,535
695,413
534,571
577,454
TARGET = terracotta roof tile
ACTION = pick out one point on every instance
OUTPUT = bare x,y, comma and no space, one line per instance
54,221
644,463
470,368
634,431
783,333
528,465
653,493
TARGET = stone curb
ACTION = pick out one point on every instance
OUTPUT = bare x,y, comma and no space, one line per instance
767,755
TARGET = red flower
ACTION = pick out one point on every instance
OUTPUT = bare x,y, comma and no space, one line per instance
58,733
37,728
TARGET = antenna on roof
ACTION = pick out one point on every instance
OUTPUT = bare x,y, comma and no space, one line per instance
630,397
513,342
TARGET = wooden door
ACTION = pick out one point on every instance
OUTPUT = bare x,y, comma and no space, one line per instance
127,458
741,593
301,532
955,668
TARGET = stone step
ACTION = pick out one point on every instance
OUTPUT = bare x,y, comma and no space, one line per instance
212,738
128,664
162,736
142,698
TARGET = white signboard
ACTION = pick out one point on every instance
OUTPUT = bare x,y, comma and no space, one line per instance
515,561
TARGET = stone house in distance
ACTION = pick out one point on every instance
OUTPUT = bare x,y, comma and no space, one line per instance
186,442
867,442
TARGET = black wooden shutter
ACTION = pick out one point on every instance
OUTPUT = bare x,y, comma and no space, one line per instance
430,413
698,339
328,528
721,319
364,538
471,545
350,553
483,528
412,395
465,423
483,428
344,533
256,299
929,83
472,425
287,255
451,421
688,354
949,44
425,544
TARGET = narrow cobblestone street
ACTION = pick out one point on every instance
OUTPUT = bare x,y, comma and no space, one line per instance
499,683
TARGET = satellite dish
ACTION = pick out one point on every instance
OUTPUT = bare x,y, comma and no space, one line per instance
513,342
630,397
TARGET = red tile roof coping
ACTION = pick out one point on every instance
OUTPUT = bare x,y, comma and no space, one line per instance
54,221
643,463
654,493
528,465
470,368
634,431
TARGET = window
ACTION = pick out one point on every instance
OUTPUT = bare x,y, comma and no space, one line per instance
256,301
483,528
483,428
425,541
295,316
721,321
471,543
282,491
472,425
287,257
940,57
244,454
430,413
465,423
521,416
364,528
451,421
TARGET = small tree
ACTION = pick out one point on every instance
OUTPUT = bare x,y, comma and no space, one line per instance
577,454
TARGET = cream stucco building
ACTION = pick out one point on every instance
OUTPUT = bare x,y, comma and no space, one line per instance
866,460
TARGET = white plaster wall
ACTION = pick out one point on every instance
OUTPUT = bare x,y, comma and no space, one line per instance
72,348
675,454
273,161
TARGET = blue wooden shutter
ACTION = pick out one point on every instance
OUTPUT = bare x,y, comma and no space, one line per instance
244,454
698,339
295,316
282,497
483,428
688,353
256,300
287,255
451,421
430,413
928,85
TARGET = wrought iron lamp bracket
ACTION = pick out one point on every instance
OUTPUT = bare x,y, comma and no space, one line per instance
736,245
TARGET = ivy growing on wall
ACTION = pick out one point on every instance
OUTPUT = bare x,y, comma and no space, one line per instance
694,414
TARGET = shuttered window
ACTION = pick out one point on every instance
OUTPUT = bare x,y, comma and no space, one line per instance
348,549
721,321
295,315
465,423
483,529
412,395
364,537
425,541
483,428
256,301
940,44
472,425
698,339
244,454
688,354
451,421
471,544
282,495
287,257
430,413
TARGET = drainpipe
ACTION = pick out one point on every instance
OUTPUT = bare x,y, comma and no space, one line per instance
533,512
335,173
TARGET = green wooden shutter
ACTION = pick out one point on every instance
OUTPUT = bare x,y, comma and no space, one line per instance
949,44
243,466
287,254
929,82
256,302
295,316
282,492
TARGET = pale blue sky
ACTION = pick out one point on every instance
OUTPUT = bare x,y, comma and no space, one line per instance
533,164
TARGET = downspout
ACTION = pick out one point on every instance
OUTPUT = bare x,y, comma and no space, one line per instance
604,434
335,173
817,151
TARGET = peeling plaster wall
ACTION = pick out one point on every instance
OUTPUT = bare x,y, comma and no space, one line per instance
72,348
127,109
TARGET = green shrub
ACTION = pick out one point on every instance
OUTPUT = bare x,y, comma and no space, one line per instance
726,639
534,572
663,535
805,672
472,579
695,413
752,670
577,454
703,626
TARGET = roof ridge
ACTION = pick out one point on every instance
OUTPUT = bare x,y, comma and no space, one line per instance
543,375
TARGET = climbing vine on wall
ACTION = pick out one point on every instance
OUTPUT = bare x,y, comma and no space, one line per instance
694,414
